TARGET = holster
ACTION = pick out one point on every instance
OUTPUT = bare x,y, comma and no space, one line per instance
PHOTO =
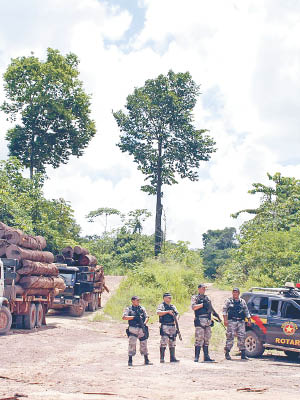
146,334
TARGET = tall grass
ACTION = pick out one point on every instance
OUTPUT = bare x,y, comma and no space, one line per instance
149,281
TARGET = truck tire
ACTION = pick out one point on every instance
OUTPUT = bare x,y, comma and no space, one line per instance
292,355
39,315
30,318
92,306
77,310
254,346
5,320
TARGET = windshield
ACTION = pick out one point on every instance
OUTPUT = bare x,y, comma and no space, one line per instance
69,279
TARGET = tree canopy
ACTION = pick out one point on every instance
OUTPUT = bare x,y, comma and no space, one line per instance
51,109
157,130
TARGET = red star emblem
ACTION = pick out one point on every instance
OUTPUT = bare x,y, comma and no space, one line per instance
289,329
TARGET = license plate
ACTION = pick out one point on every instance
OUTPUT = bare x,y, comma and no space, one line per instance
68,301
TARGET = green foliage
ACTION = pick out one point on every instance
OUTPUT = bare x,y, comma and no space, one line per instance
22,205
52,107
136,218
149,281
217,244
270,242
157,130
106,211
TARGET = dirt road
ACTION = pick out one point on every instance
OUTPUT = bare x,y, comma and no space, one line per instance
74,358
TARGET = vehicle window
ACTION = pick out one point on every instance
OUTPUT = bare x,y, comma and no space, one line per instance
291,312
274,307
259,305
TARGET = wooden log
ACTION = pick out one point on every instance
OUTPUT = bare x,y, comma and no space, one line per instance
67,252
17,237
3,246
42,282
78,250
87,259
38,268
18,253
59,258
3,228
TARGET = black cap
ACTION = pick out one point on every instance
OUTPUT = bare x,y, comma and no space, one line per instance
167,294
202,285
236,289
135,298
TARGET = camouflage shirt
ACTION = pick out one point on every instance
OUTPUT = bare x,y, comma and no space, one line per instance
129,311
162,308
229,302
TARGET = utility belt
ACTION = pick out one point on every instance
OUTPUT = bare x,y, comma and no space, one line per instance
236,319
162,333
169,324
199,323
146,334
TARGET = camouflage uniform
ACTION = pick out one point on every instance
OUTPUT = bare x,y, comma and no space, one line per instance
136,332
168,330
236,325
203,331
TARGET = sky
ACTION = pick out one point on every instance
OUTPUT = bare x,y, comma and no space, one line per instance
244,54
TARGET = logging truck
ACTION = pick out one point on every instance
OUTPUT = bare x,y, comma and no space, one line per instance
82,292
25,309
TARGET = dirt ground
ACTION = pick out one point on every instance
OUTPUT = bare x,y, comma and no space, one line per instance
75,358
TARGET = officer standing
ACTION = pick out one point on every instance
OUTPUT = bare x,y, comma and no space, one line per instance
202,307
137,318
235,311
168,332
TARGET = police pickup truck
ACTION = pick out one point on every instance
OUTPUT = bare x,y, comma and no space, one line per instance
275,317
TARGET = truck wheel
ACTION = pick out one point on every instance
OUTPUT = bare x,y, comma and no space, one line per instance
77,310
254,346
92,306
292,355
30,318
5,320
39,315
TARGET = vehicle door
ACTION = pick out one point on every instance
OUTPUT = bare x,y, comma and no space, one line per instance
258,308
284,323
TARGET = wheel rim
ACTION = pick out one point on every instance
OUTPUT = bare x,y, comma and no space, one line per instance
250,344
3,320
33,314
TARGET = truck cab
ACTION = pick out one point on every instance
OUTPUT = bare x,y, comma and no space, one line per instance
275,316
79,289
5,314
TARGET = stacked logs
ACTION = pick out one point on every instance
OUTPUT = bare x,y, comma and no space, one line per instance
36,272
80,257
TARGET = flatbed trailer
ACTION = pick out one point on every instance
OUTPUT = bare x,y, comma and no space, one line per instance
25,309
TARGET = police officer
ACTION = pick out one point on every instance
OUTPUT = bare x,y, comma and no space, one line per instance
235,311
168,332
134,314
202,307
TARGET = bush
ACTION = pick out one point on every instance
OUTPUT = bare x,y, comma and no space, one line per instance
149,281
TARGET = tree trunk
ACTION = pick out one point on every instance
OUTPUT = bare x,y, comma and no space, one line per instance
31,156
159,207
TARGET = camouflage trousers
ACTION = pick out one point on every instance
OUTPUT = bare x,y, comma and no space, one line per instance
168,336
235,328
203,332
138,332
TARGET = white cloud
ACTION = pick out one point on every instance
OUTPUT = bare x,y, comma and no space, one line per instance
246,57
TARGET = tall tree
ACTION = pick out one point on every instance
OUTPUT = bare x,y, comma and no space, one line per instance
106,211
157,129
52,111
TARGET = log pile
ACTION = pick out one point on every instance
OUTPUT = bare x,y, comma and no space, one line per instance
36,272
80,257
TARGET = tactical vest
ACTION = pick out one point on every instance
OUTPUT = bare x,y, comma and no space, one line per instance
203,312
167,318
135,312
236,310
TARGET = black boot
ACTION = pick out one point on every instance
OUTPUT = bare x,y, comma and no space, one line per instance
129,361
243,355
172,355
197,353
227,355
162,354
147,361
206,356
